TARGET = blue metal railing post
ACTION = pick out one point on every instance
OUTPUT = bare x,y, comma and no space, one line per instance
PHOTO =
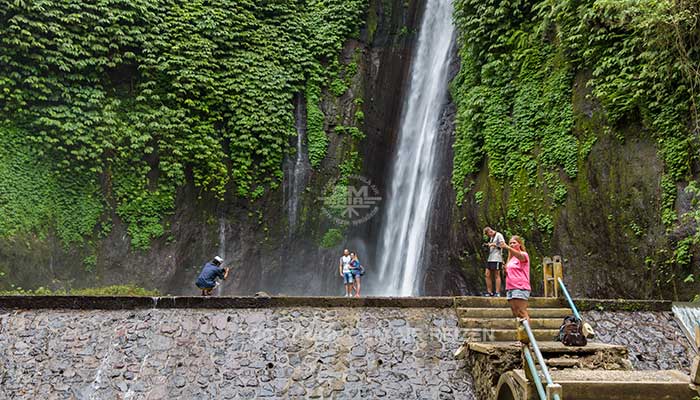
534,373
568,299
540,358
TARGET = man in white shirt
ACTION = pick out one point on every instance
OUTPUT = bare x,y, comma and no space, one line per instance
494,263
345,272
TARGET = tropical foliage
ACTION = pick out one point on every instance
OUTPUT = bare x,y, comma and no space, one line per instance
118,103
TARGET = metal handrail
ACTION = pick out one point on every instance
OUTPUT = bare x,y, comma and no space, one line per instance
569,299
533,372
540,360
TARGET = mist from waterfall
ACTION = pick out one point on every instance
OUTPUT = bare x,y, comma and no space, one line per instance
405,224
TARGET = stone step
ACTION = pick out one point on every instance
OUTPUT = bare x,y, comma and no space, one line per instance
563,362
509,323
501,302
582,384
553,349
505,335
485,312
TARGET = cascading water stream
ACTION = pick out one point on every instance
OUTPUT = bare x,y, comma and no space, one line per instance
221,250
405,223
296,177
689,316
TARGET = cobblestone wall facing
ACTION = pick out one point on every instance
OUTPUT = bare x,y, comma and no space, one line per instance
654,339
232,354
289,352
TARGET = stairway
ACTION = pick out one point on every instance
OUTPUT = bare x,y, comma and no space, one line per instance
581,384
489,319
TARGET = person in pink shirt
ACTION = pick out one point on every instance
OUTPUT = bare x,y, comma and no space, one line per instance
517,277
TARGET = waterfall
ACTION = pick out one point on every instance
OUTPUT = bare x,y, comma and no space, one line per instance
297,169
414,170
689,316
221,250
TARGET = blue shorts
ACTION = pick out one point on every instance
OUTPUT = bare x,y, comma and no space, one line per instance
517,294
356,273
347,277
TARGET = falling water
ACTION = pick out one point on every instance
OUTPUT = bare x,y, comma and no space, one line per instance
296,177
414,170
689,316
221,250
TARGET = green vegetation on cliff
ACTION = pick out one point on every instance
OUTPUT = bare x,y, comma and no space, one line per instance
542,81
120,103
114,290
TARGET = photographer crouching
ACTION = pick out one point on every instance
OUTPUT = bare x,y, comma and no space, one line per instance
210,272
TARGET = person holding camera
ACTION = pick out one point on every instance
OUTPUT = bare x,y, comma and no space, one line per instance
517,277
494,262
206,281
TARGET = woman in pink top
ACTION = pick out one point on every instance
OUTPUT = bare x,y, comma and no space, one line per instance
517,277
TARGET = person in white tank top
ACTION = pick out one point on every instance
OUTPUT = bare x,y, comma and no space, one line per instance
345,273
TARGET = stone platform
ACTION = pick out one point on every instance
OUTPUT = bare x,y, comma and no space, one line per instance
615,385
488,361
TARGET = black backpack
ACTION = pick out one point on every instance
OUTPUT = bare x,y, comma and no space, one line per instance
571,332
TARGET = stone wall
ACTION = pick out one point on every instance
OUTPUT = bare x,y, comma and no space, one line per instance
654,339
287,352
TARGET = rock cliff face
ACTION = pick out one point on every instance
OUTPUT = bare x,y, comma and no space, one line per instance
604,229
609,230
254,236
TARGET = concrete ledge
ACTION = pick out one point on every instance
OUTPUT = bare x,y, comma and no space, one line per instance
622,305
132,302
125,302
77,302
492,302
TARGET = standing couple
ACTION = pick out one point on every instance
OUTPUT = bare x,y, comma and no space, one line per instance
351,270
517,271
